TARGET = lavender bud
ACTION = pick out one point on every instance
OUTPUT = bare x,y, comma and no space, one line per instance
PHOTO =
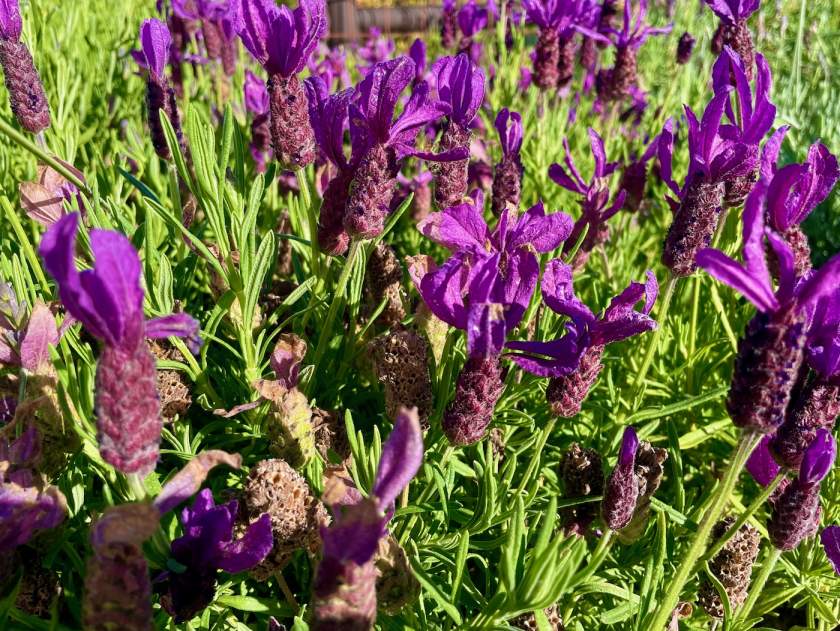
383,282
451,177
370,193
566,394
449,27
815,407
344,596
400,360
583,475
739,38
621,490
291,133
717,42
798,242
732,566
769,356
648,472
588,53
396,585
127,408
26,92
118,593
547,59
230,56
507,184
476,394
565,61
211,32
693,227
332,237
684,48
275,488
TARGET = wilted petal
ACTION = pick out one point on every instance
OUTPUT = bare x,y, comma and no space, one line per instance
286,359
180,325
41,333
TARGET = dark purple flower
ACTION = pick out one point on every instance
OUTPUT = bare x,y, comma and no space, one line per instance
730,11
622,492
574,360
634,177
830,539
417,52
761,465
460,86
330,64
27,503
448,23
108,301
507,176
771,352
595,207
377,48
382,141
472,19
345,583
733,31
207,546
684,48
11,24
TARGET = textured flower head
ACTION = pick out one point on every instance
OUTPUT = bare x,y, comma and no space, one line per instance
328,115
509,126
752,279
497,267
280,39
619,321
756,112
563,16
731,11
460,85
108,299
10,21
761,464
155,42
256,94
797,189
819,458
472,18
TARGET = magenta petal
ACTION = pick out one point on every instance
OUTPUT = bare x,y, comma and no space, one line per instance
189,479
180,325
819,458
402,455
10,20
543,232
549,359
558,292
250,549
761,464
457,227
731,273
629,447
830,539
509,126
155,41
486,330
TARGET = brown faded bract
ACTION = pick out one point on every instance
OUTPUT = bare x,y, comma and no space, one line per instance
174,391
583,476
528,621
330,434
400,361
39,587
396,585
732,566
383,282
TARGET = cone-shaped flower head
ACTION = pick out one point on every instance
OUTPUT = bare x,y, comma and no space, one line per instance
383,141
507,176
208,545
634,177
796,513
830,539
108,301
345,582
448,24
732,567
27,503
26,92
621,491
596,209
733,31
460,86
771,352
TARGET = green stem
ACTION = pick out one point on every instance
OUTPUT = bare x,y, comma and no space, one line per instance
135,484
757,587
306,195
653,345
426,493
698,544
335,306
43,155
598,556
536,457
749,512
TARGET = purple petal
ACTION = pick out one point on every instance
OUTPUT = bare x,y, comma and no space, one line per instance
355,535
250,549
457,227
823,282
460,84
256,94
286,358
558,292
180,325
41,333
155,41
761,464
819,458
731,273
486,329
189,479
443,290
542,232
402,455
509,126
830,539
629,447
550,359
10,20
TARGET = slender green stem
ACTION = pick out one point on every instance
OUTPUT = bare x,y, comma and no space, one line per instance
135,484
43,155
749,512
599,555
698,544
335,306
306,195
426,493
546,432
653,345
757,587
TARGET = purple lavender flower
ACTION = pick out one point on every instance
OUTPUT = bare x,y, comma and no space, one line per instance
772,349
574,361
330,64
108,301
219,25
761,465
282,41
595,207
472,19
796,513
26,92
617,83
794,193
257,103
382,142
732,30
634,177
417,52
448,24
684,48
376,49
507,177
622,492
830,539
460,85
27,503
715,158
484,288
206,547
420,185
345,582
554,61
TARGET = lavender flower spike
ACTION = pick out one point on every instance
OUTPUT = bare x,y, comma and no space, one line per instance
472,19
772,349
733,31
26,92
507,176
574,361
382,142
282,41
621,491
108,301
448,24
460,85
796,513
345,581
